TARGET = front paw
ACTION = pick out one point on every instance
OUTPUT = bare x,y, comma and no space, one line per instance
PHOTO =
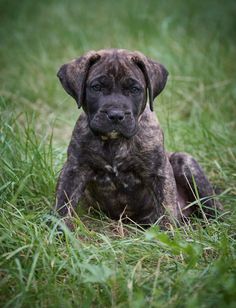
68,221
59,223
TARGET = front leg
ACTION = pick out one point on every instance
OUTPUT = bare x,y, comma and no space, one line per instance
70,187
166,194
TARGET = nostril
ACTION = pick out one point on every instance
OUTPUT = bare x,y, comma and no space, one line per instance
128,113
116,115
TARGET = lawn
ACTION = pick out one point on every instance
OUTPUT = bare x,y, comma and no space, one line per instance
104,263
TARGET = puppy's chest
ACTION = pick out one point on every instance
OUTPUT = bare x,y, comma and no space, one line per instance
114,166
120,184
114,177
116,191
118,171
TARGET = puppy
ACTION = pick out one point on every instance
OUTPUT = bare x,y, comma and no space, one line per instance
116,159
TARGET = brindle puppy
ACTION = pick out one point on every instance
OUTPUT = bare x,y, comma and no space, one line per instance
116,158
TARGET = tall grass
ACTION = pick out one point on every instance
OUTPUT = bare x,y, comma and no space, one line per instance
105,263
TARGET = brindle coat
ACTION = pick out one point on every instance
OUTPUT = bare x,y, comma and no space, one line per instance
116,158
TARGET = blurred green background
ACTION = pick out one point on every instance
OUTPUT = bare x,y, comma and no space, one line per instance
195,40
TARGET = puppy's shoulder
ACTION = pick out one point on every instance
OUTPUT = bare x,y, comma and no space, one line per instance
81,133
150,130
81,126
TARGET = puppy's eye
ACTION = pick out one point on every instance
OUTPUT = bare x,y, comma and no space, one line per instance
96,87
135,90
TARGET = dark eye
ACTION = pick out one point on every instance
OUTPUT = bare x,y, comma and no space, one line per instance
96,87
135,90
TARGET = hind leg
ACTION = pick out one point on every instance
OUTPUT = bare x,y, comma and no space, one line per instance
192,184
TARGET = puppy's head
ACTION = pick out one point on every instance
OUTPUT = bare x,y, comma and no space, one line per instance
111,86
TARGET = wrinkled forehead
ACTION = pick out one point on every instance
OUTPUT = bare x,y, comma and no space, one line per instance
117,66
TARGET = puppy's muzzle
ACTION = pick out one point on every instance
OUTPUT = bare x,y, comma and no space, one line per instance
109,120
116,116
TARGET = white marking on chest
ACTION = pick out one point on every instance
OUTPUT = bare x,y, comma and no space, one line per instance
115,171
109,168
112,169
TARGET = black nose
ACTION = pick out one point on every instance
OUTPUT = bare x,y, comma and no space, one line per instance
116,115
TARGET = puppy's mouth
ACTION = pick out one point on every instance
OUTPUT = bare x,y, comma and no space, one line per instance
112,135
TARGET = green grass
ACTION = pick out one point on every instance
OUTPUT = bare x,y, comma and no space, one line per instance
104,263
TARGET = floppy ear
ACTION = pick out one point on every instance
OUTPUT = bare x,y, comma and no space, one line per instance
73,75
155,75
